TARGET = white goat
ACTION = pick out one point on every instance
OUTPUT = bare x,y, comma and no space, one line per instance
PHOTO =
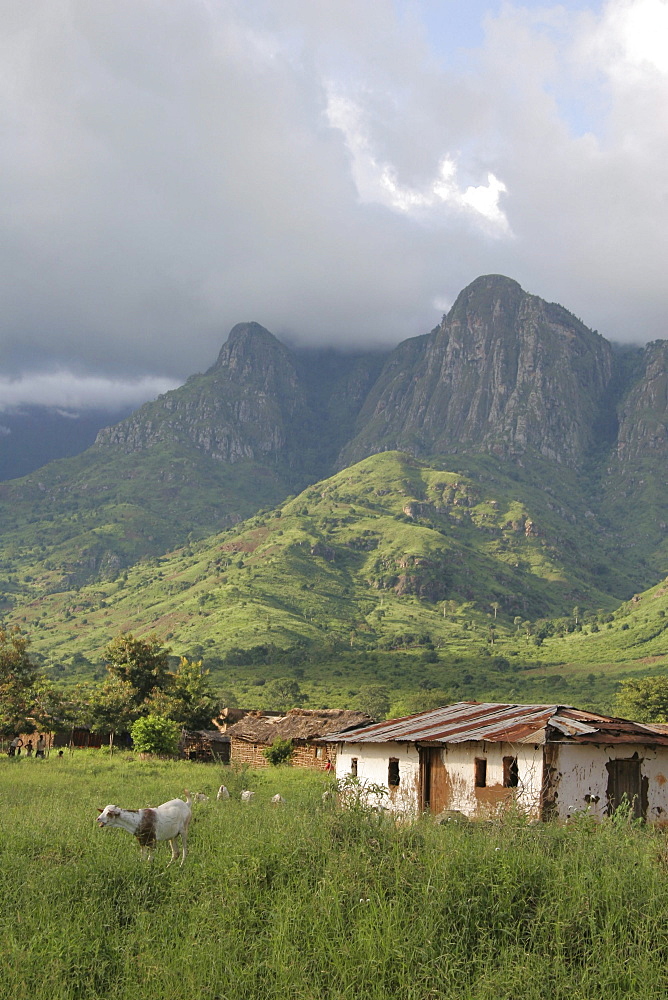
149,826
200,797
277,800
247,796
222,793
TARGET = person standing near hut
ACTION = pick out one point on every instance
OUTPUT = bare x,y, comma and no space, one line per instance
41,746
15,747
29,748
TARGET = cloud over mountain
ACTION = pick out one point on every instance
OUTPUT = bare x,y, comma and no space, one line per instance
326,169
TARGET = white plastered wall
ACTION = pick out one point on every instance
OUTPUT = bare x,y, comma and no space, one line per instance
458,759
581,771
372,768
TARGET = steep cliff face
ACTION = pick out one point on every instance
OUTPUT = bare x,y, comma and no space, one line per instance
248,405
259,402
505,373
634,493
643,413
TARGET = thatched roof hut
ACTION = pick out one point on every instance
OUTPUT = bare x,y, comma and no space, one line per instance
305,728
205,744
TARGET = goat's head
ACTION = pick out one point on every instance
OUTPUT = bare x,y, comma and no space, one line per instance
108,815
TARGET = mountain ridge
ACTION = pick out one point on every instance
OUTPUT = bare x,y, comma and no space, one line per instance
510,394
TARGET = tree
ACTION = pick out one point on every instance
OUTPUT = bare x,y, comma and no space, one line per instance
18,677
50,705
188,696
283,694
495,607
113,708
141,663
374,701
155,734
643,700
420,701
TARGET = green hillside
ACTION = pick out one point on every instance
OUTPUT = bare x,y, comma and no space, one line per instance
392,571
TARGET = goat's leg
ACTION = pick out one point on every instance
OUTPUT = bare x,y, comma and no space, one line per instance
184,839
175,853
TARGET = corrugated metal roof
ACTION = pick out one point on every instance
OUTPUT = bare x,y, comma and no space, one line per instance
481,721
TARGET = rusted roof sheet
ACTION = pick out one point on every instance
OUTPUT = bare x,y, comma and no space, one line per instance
493,723
657,727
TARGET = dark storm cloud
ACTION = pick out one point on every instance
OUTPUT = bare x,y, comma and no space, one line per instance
172,168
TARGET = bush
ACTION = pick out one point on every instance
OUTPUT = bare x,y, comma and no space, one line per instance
279,752
156,734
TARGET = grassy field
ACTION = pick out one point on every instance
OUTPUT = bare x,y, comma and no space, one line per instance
308,902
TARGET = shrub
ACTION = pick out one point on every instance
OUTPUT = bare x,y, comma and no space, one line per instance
279,752
155,734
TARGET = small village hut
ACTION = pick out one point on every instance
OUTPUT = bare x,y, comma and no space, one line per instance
305,728
472,758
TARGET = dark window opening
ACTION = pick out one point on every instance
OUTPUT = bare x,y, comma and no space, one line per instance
353,766
393,772
480,772
511,774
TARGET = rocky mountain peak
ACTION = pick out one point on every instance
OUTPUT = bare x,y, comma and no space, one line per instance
249,349
506,372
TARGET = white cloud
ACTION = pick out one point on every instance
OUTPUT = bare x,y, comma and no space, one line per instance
378,181
635,34
70,393
169,170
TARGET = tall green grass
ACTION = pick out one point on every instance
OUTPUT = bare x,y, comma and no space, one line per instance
309,902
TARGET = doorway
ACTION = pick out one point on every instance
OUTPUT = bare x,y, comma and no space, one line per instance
625,782
434,785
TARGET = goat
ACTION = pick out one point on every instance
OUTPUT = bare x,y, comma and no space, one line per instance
247,796
149,826
200,797
277,800
222,793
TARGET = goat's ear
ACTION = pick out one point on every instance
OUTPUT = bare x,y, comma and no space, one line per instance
100,810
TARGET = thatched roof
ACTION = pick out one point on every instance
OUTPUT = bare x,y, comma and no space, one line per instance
297,724
210,735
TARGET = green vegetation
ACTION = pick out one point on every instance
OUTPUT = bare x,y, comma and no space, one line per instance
279,752
18,676
313,902
384,554
393,573
644,699
155,734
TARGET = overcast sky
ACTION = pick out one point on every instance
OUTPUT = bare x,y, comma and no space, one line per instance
336,170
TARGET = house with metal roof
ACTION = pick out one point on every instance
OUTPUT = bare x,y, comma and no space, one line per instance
474,758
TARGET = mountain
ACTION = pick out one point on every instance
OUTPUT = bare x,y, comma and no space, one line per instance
634,480
505,373
257,426
259,403
524,472
377,549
